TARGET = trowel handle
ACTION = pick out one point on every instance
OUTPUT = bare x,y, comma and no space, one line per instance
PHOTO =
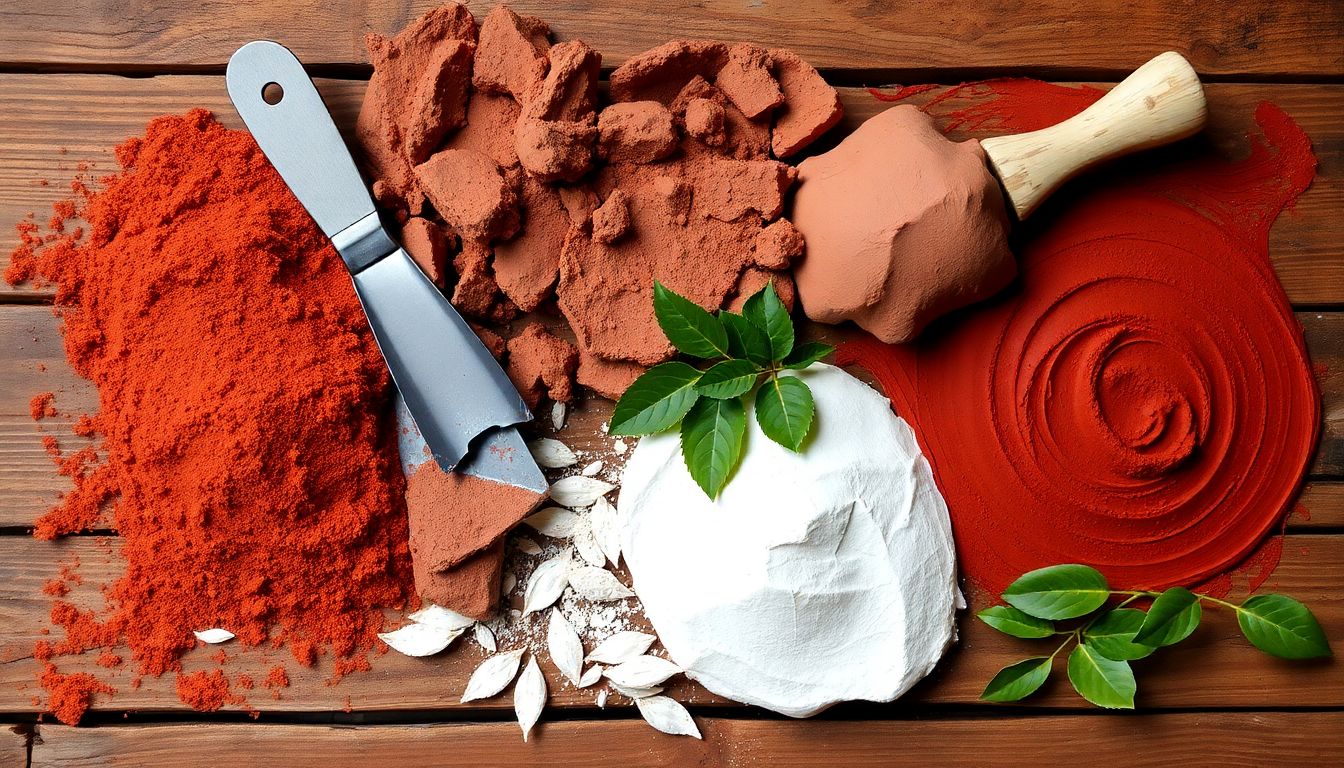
1162,101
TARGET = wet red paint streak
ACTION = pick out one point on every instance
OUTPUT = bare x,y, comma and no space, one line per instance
1141,400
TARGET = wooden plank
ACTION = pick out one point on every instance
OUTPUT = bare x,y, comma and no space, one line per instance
50,124
1215,668
32,361
1221,738
1302,38
14,746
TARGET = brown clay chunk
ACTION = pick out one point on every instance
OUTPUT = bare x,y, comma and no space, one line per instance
745,78
397,97
470,193
542,365
526,266
427,244
558,128
660,73
743,137
492,341
476,292
438,103
636,132
730,189
471,589
704,120
511,53
453,515
612,219
778,245
754,279
811,105
490,121
608,378
923,229
579,203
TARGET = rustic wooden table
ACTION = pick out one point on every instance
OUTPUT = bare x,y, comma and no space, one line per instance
78,76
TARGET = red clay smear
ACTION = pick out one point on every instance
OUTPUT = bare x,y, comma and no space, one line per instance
1141,400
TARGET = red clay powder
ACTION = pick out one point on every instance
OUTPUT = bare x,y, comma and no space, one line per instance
1142,400
243,408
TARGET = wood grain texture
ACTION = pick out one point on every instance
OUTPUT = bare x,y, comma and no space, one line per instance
1280,739
32,361
1303,37
51,124
13,747
1215,668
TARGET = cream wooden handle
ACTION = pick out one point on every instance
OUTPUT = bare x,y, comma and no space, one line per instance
1162,101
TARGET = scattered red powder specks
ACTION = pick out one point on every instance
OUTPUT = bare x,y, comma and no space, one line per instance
85,426
42,406
244,682
109,659
52,446
205,691
55,588
221,657
68,696
1141,401
275,680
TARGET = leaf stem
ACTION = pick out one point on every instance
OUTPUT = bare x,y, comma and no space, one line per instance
1072,635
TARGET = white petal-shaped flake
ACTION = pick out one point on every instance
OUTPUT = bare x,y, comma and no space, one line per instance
443,618
621,647
529,696
547,583
590,676
493,675
485,637
527,546
667,716
597,584
642,672
606,529
586,543
556,522
635,693
214,636
420,639
578,491
551,453
565,647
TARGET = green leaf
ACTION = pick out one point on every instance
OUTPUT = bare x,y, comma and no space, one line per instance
730,378
1173,616
690,328
1011,621
656,401
1018,681
1059,592
1105,682
711,441
767,312
784,410
804,355
1283,627
745,340
1112,635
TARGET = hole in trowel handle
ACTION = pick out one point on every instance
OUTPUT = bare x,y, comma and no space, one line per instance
272,93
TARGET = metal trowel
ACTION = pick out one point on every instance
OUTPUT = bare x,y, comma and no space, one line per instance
464,408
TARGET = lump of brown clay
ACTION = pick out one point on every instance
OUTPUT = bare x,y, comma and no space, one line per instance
777,245
510,53
470,192
427,244
471,588
635,132
743,138
608,378
660,73
417,93
811,106
901,225
753,279
745,79
704,120
526,266
611,220
731,189
476,292
542,365
557,130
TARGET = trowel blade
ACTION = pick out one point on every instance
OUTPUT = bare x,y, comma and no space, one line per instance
499,455
451,385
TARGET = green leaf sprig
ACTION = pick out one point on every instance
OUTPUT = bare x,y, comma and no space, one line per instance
1104,643
746,352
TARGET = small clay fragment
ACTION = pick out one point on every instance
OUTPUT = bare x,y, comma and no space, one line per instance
811,106
413,98
489,129
476,292
636,132
778,245
660,73
492,341
704,120
608,378
743,137
579,203
454,515
753,279
558,126
730,189
526,266
675,196
542,365
511,53
612,219
471,588
427,244
469,191
745,79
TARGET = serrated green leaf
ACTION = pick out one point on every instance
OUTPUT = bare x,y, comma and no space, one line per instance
690,328
1173,615
1011,621
804,355
656,401
711,441
1105,682
784,410
1017,681
745,340
1283,627
1112,635
730,378
1059,592
765,310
